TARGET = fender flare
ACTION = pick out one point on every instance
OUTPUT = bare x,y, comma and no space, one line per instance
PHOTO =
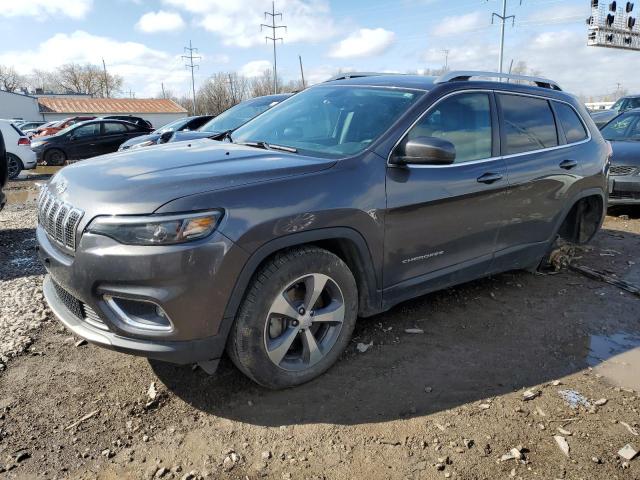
373,293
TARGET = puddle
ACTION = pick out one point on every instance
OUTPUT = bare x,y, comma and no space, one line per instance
617,358
22,196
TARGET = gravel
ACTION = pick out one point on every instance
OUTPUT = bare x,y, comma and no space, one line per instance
22,306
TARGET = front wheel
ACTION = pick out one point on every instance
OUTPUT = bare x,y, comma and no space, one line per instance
14,165
296,319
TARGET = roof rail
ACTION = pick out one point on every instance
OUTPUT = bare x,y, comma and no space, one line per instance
347,75
462,75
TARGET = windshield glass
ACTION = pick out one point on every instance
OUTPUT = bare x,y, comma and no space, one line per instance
237,115
624,127
331,121
170,127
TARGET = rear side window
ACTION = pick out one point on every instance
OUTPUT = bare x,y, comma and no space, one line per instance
528,124
111,128
571,124
465,121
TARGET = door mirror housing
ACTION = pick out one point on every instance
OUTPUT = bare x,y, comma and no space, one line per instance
165,137
425,151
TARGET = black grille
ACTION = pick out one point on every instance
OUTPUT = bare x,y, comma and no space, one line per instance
620,170
72,303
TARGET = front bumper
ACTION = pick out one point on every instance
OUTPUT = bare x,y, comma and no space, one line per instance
624,190
191,282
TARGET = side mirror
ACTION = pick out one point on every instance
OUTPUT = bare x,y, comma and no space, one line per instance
425,151
72,138
165,137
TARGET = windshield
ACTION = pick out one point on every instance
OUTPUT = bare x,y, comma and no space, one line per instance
238,115
170,127
617,105
626,127
331,121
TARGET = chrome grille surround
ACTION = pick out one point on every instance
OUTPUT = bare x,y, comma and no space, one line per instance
620,170
60,220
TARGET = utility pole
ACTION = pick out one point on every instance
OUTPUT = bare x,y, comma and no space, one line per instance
163,95
274,38
446,59
302,73
191,57
503,19
233,94
106,77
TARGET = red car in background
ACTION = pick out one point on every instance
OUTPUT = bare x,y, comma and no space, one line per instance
61,125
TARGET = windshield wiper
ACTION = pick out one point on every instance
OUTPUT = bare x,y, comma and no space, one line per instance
226,135
270,146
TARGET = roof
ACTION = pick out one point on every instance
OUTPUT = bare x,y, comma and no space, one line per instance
17,93
420,82
75,105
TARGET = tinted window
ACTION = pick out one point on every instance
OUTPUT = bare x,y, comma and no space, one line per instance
528,124
465,121
87,130
114,128
571,124
633,103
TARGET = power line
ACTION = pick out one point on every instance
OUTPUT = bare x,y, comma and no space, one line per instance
274,29
191,57
503,19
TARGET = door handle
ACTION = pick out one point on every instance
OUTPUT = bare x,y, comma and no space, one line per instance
489,178
568,164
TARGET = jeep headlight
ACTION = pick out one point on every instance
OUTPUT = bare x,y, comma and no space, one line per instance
157,229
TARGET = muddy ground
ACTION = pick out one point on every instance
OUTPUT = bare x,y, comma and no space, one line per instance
448,403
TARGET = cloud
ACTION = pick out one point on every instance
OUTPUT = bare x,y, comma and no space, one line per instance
364,43
142,68
160,21
237,22
255,68
42,9
460,24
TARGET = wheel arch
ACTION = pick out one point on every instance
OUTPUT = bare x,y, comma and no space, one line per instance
589,205
344,242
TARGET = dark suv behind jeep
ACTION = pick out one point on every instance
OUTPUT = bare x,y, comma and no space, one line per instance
342,201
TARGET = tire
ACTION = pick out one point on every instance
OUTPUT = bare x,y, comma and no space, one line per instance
259,335
14,165
55,157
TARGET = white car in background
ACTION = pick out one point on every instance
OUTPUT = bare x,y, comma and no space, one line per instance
19,154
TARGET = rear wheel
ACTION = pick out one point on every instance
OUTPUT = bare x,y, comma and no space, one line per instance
297,318
14,165
55,158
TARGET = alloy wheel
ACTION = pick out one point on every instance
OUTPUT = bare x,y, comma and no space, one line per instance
304,322
13,166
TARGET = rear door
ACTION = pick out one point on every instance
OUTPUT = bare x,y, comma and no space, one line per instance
114,134
445,216
542,167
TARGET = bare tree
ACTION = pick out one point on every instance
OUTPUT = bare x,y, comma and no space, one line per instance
10,80
87,79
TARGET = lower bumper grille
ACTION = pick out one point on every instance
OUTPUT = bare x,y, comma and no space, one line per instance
622,170
79,309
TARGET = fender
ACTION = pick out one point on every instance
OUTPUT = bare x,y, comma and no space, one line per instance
569,205
371,297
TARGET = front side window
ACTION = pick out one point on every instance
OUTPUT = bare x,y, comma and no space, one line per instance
571,124
90,130
528,124
465,121
331,121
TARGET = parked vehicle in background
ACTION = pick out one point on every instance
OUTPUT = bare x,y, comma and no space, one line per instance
183,124
232,118
18,147
624,175
25,126
129,118
343,201
602,117
4,172
61,125
85,140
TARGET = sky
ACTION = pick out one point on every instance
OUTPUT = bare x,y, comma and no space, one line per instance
143,40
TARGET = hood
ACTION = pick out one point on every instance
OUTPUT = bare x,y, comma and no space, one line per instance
626,153
190,135
140,181
603,116
141,139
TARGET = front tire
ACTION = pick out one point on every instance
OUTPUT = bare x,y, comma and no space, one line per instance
55,158
14,165
296,319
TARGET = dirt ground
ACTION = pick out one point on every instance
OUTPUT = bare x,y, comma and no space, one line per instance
447,403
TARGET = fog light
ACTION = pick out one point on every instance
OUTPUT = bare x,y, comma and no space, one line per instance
141,314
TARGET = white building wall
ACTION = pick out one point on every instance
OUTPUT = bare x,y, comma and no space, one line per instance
18,106
156,119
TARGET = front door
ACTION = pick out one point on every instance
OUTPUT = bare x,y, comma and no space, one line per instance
444,219
82,141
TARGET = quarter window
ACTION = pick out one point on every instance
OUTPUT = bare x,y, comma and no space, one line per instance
465,121
571,124
528,124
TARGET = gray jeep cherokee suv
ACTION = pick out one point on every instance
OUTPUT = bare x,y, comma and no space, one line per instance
340,202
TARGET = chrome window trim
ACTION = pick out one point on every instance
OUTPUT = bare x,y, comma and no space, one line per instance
489,159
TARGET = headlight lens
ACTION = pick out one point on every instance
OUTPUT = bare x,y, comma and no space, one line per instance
157,229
